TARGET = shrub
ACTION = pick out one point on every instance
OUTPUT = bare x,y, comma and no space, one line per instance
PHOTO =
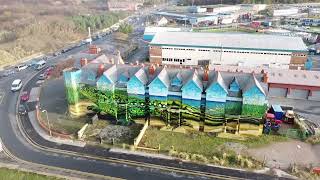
199,157
314,139
184,156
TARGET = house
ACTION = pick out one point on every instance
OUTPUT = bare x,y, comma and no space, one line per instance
195,98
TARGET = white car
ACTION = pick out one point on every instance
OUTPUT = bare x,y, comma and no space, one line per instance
21,67
16,85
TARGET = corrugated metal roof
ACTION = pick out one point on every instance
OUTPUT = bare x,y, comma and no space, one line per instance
231,41
294,77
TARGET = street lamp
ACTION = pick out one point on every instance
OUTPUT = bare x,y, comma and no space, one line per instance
47,121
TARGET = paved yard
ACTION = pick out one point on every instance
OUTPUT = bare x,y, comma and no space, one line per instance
308,109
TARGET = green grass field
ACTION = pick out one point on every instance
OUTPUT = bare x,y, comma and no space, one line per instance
11,174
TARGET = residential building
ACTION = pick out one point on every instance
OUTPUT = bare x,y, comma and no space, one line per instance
196,98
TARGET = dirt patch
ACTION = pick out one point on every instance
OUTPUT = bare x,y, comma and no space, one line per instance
282,154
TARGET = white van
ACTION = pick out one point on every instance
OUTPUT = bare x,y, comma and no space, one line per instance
21,67
16,85
41,64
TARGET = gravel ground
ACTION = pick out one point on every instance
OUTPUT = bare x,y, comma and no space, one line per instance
283,154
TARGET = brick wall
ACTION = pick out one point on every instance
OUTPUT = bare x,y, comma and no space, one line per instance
155,51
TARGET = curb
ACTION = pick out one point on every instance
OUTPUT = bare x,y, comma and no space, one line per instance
56,134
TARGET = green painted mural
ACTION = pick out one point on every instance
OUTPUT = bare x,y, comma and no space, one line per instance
195,104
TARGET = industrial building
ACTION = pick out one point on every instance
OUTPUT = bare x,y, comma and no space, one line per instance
285,11
150,31
190,48
291,84
115,5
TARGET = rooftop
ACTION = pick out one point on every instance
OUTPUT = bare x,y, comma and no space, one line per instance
294,77
229,40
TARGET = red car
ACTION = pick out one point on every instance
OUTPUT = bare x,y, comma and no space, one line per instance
24,96
48,71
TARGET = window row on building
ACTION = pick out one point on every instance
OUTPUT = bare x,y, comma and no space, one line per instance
174,59
240,52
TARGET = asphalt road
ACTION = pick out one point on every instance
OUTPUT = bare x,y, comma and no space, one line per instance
115,166
18,146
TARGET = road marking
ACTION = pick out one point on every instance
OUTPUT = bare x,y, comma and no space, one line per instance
2,95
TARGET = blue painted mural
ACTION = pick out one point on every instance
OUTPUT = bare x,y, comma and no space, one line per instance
158,88
196,104
135,86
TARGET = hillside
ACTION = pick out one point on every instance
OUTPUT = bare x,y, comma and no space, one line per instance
32,26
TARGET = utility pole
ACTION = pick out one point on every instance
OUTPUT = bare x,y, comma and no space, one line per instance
89,35
49,126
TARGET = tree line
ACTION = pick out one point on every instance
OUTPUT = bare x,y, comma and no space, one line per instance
96,22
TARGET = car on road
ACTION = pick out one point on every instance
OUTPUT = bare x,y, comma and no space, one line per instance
48,71
21,67
24,96
8,73
40,65
22,110
42,76
56,53
16,85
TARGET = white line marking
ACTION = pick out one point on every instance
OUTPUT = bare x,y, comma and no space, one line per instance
2,95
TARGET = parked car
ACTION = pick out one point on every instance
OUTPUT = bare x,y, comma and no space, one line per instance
8,73
40,65
16,85
48,71
21,67
24,96
22,110
42,76
56,53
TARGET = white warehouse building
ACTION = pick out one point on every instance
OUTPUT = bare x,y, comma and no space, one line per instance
190,48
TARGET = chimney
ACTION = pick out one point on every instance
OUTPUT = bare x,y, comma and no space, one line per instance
83,61
100,70
152,69
206,75
265,78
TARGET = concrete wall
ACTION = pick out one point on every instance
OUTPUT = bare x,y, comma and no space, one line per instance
315,95
294,93
298,94
277,92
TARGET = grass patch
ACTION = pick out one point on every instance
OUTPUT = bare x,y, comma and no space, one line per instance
64,124
206,148
12,174
200,143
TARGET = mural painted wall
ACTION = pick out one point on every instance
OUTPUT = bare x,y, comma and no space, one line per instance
215,112
71,81
135,86
254,102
